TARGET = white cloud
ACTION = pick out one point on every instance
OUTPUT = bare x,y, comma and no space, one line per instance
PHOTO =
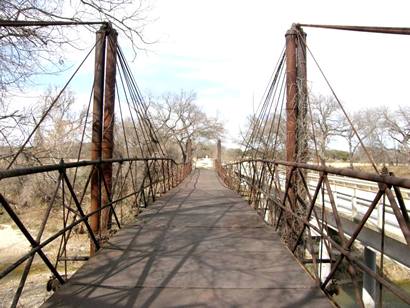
226,51
234,45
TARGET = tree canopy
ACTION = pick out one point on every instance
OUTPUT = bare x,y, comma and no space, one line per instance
179,120
27,51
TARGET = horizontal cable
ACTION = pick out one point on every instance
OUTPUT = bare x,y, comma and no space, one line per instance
21,23
55,167
385,30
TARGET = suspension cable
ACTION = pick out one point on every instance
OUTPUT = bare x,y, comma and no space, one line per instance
340,105
49,109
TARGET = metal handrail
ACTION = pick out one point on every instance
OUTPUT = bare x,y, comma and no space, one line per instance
265,192
162,177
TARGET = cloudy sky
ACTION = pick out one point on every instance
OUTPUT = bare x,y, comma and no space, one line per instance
225,51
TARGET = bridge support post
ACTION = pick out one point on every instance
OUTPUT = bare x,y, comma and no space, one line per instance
302,99
291,93
370,289
108,131
296,110
97,130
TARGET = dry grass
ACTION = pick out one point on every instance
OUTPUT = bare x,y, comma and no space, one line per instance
402,170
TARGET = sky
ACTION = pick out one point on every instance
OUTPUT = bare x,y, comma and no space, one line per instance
225,51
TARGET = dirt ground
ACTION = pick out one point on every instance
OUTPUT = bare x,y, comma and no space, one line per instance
13,245
34,294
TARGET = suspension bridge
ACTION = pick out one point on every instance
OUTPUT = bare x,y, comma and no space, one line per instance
272,229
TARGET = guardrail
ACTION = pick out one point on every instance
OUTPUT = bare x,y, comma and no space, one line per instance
299,215
352,200
137,181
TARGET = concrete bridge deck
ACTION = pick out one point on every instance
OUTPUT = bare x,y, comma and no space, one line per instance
200,245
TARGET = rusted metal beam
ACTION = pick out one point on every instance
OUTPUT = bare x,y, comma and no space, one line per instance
374,177
55,167
384,30
343,248
75,258
402,205
111,209
97,129
29,238
108,130
312,201
392,248
291,95
302,97
83,218
37,248
285,195
77,203
355,234
296,110
400,218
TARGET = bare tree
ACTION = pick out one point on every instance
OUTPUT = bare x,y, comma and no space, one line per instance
397,124
26,51
59,135
378,140
363,127
11,120
326,120
265,138
179,119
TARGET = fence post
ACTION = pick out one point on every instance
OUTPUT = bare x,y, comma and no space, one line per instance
354,212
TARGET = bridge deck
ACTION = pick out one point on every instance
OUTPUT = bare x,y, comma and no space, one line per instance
200,245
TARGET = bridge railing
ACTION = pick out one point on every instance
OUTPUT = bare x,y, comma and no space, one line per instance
299,201
136,183
352,198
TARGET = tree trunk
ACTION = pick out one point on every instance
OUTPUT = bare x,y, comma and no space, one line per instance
181,146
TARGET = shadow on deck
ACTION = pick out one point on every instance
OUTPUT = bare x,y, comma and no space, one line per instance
200,245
